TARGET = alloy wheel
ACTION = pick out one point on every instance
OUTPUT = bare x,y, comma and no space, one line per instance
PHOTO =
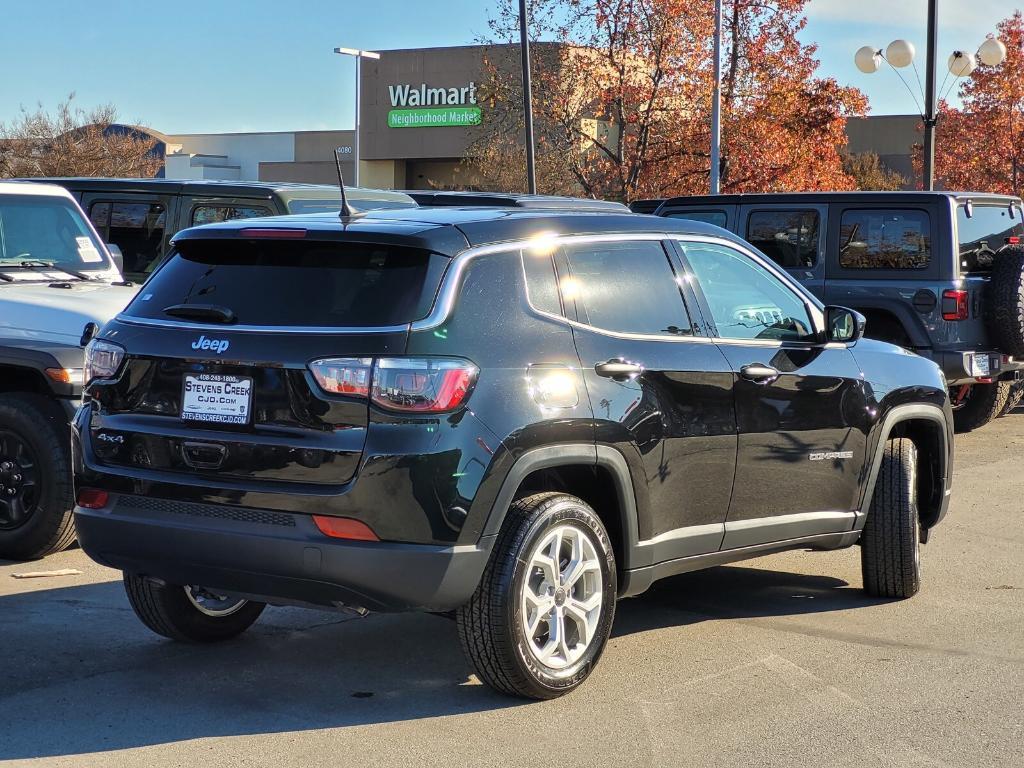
212,604
562,597
19,481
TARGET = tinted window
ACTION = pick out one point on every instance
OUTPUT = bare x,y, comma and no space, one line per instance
136,228
983,235
746,300
884,239
211,214
626,287
789,238
718,218
286,283
541,282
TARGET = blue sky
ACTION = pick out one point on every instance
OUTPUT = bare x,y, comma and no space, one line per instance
260,65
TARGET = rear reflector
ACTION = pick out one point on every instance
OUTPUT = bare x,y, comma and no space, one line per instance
92,498
344,528
275,234
955,305
1013,240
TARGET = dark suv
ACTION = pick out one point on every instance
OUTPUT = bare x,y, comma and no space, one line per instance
939,273
518,416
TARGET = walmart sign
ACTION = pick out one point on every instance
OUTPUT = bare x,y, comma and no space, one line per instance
426,107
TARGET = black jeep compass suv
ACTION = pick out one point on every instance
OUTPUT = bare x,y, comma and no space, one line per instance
519,416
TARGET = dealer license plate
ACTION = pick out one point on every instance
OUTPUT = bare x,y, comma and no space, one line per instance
216,399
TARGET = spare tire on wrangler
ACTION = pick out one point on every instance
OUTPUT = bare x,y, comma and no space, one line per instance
1004,301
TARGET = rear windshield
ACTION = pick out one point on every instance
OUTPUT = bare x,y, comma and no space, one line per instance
988,230
38,229
288,283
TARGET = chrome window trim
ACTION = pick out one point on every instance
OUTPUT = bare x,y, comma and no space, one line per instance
317,329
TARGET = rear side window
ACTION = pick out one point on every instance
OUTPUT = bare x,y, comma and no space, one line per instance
984,234
627,287
789,238
277,283
885,239
211,214
541,282
718,218
136,228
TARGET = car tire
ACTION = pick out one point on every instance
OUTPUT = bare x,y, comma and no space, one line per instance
980,405
36,496
891,541
1014,398
1004,301
525,636
169,610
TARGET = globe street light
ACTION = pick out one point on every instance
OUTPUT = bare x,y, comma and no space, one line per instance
900,54
359,56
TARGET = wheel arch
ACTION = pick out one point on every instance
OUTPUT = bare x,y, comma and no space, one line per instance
928,428
598,474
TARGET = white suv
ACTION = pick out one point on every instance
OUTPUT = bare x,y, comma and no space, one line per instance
56,277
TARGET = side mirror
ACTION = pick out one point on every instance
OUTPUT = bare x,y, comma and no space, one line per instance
117,256
843,325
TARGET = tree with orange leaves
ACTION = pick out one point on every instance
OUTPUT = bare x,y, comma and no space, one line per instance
622,102
980,145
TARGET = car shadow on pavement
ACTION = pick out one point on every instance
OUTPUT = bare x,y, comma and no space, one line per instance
79,674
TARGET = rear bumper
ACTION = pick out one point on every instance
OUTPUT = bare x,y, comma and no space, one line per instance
960,367
275,556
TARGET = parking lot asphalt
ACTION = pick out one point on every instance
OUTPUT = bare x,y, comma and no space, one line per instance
780,661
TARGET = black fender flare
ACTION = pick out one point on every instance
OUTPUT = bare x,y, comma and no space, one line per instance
553,456
897,415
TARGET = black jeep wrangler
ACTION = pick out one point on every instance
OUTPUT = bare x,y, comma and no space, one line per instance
518,416
939,273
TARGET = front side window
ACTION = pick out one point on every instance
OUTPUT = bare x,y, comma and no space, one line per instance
625,287
789,238
136,228
38,230
746,300
718,218
989,229
212,214
884,239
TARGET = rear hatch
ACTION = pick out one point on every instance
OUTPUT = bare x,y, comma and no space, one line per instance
216,382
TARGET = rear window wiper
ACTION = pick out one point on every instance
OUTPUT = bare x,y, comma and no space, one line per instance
209,312
39,264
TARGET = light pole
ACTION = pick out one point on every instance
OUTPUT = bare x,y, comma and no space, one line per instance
524,49
359,56
900,54
716,106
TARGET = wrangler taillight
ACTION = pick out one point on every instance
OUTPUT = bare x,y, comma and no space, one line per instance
406,384
955,305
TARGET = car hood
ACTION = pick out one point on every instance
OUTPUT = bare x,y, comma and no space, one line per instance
40,312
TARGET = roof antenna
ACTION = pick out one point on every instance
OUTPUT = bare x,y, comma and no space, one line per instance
347,212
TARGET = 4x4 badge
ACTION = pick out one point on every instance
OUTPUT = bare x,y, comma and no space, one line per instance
214,345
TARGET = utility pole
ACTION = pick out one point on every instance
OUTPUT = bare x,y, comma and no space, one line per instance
930,106
716,106
524,48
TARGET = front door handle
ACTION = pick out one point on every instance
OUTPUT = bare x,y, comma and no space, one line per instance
618,369
759,373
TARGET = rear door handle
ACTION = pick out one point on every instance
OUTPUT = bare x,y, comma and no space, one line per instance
618,369
759,373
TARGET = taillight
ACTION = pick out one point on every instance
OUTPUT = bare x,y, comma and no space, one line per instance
422,385
955,305
406,384
343,375
102,360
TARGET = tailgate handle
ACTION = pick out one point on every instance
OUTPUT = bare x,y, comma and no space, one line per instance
203,455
